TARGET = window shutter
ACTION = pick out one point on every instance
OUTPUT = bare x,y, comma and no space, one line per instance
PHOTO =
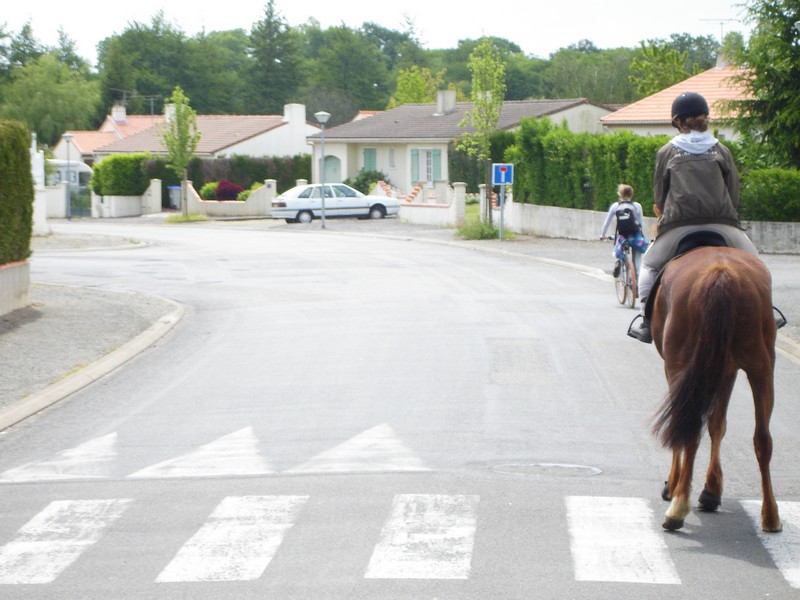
414,166
437,165
370,159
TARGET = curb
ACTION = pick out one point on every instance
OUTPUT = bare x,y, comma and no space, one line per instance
101,367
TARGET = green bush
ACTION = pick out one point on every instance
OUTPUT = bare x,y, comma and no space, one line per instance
770,195
244,195
120,175
209,191
366,180
247,170
16,192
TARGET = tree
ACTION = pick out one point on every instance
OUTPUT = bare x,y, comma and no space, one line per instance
143,61
349,64
275,73
658,67
51,98
488,94
181,138
415,86
770,122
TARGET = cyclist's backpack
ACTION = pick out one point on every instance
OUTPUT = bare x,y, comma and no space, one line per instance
626,219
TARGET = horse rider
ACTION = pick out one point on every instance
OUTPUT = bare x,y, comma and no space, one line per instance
696,188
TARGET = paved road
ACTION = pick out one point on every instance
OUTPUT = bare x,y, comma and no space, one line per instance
286,439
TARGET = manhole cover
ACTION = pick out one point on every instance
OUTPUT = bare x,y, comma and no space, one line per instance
548,469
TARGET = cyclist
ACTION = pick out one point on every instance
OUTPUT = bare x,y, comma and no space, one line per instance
629,218
696,187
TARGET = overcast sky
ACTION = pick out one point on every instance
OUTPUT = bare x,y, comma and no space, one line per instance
539,28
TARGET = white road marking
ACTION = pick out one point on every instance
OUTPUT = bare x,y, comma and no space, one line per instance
238,540
618,539
427,536
55,538
92,459
374,450
233,454
783,547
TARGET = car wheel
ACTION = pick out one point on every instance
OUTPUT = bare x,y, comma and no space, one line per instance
304,217
377,212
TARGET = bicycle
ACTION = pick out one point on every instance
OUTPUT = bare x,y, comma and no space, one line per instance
625,277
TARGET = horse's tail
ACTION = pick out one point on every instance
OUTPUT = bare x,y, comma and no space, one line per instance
695,390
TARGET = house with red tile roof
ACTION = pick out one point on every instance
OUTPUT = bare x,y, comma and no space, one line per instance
651,115
409,143
221,135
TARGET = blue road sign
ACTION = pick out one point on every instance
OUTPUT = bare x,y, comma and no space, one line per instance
502,174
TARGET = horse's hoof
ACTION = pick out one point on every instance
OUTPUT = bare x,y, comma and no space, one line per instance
665,495
671,524
709,502
772,528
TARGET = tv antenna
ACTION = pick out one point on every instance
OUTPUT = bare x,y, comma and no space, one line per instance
128,94
721,27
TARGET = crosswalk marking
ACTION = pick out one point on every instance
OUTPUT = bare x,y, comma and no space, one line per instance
783,547
427,536
238,540
424,536
55,538
234,454
92,459
375,450
616,539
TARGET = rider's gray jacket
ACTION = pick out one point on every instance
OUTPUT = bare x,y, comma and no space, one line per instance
695,188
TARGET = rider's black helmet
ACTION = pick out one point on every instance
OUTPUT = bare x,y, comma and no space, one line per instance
688,104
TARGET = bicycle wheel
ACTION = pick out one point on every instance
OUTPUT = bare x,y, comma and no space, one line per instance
631,282
621,283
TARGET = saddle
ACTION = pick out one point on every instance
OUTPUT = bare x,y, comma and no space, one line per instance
689,242
693,241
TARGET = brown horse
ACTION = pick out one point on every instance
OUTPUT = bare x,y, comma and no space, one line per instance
712,315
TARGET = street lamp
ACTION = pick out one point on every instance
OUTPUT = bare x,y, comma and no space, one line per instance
67,139
322,117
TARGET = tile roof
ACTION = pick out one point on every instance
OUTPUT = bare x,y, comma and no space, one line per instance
86,142
218,133
716,85
132,124
419,121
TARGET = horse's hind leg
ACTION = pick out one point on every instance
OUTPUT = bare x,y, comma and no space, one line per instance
680,506
764,398
674,475
711,496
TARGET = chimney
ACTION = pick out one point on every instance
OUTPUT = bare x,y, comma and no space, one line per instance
445,102
118,113
294,113
169,112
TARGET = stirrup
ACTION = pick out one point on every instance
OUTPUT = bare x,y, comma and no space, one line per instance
781,320
641,333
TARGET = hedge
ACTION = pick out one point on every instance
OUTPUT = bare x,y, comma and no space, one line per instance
120,175
556,167
16,192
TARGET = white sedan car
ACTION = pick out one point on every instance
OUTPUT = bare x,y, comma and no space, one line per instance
303,203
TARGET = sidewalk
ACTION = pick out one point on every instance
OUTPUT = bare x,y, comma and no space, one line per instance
69,337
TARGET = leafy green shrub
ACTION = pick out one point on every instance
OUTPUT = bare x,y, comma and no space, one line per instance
120,175
770,195
246,193
209,191
366,180
16,192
